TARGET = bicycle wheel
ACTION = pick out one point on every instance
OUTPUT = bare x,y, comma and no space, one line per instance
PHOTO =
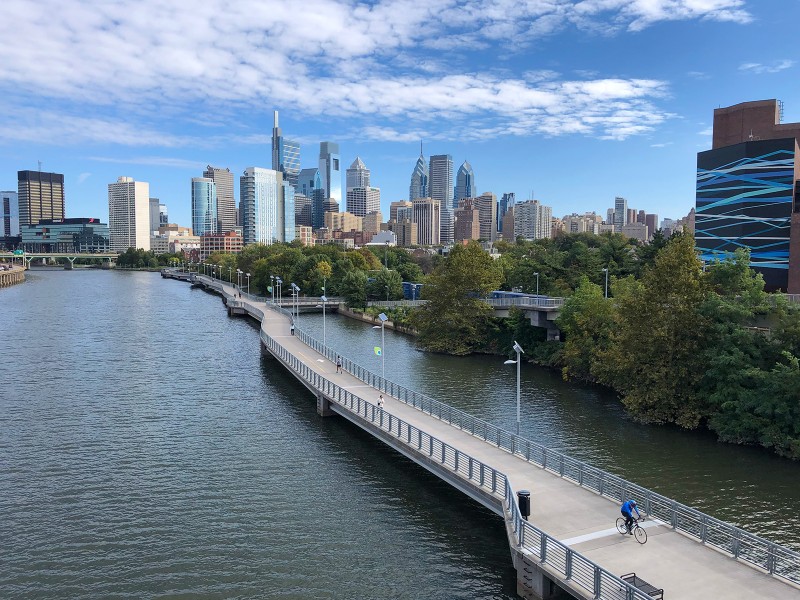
640,534
621,526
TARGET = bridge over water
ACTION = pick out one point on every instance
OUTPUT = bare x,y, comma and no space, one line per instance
569,547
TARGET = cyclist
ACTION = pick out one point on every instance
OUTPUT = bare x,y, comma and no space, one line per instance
627,512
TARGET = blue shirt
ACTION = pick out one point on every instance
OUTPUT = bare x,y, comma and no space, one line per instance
628,507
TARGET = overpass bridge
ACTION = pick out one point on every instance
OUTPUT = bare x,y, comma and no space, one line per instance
28,257
569,547
542,312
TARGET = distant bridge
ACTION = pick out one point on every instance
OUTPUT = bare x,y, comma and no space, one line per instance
28,257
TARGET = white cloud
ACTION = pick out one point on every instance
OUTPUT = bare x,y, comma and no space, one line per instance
83,177
661,145
155,161
135,61
706,131
760,69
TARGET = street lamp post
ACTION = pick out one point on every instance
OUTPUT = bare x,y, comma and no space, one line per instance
537,284
518,349
606,272
230,274
239,280
296,300
279,282
324,301
383,319
248,284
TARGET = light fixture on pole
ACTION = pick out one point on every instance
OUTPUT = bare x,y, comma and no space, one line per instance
230,274
324,301
279,283
239,280
382,349
248,284
606,272
518,349
272,287
537,283
296,299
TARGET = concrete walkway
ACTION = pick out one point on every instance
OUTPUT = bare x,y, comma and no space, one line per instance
585,521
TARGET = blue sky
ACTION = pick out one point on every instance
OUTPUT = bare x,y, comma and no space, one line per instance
576,101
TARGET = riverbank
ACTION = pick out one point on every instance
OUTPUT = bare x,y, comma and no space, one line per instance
12,277
373,319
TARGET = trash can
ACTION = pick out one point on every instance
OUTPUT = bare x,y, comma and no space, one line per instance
524,500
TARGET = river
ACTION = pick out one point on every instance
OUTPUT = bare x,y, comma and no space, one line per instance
148,450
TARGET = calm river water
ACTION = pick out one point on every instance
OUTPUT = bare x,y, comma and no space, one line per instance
147,450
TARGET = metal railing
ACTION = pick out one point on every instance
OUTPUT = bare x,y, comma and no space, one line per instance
742,545
548,550
494,302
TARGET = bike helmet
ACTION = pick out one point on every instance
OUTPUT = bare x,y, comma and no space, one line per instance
633,502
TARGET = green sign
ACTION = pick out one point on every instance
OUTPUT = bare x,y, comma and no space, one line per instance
18,252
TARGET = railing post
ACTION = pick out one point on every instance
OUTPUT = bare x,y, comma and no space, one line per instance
597,580
561,465
735,544
457,453
469,468
703,528
419,434
543,547
771,559
674,515
580,475
494,481
568,565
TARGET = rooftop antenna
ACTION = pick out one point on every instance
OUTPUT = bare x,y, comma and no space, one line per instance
420,148
40,166
780,111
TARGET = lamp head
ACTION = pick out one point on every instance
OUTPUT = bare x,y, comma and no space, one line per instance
323,298
383,317
510,362
518,348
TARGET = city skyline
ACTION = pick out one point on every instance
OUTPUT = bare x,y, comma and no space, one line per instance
528,95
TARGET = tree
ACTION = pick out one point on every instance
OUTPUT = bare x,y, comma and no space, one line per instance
655,354
386,285
354,289
453,319
586,322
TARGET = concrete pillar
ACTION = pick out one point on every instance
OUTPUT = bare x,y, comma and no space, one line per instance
324,406
533,583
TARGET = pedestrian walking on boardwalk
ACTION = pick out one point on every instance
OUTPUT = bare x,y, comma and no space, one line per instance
338,364
380,401
291,328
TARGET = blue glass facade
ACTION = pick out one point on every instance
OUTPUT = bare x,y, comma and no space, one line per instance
205,219
745,199
288,212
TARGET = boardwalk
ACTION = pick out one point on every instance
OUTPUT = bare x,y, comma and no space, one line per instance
580,519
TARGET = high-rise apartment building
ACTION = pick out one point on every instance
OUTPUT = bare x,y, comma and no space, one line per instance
427,216
226,201
372,222
419,179
261,195
330,170
620,213
129,214
532,220
303,215
465,183
747,192
285,154
651,220
155,216
406,232
40,196
362,201
9,203
343,221
204,206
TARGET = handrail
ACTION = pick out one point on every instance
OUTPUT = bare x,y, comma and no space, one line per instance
738,543
602,583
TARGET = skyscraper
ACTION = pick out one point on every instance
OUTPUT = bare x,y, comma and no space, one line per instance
395,206
285,154
506,202
204,206
357,175
486,204
9,204
427,217
260,195
419,179
226,202
330,170
155,220
40,196
620,213
129,214
440,186
651,220
467,221
465,183
309,184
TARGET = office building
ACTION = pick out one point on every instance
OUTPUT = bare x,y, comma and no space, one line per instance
406,232
287,216
204,206
651,220
747,192
486,204
9,202
261,198
532,220
303,233
155,215
66,235
506,202
508,224
362,201
357,176
226,201
163,215
372,222
343,221
440,179
129,214
620,213
467,226
229,242
309,184
465,183
40,196
405,212
302,210
419,179
395,206
330,170
637,231
285,155
427,216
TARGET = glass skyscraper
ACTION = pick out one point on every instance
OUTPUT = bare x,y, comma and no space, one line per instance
419,179
285,154
465,183
260,195
330,170
205,218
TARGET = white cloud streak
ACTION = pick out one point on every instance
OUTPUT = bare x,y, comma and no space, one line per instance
385,61
760,69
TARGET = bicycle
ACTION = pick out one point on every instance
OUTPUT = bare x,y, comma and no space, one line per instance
638,531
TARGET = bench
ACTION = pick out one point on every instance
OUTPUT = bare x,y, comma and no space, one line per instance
641,584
